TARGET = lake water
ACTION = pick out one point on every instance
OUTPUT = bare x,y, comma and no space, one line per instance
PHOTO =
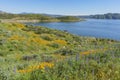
92,27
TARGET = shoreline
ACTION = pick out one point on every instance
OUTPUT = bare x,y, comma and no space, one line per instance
36,21
21,21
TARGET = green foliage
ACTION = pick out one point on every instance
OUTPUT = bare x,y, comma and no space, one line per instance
82,68
41,18
68,19
3,76
46,37
66,51
7,16
54,45
74,57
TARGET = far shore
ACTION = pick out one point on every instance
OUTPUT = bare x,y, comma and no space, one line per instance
34,21
21,21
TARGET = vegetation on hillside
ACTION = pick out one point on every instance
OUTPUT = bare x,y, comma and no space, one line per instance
8,17
68,19
37,53
39,17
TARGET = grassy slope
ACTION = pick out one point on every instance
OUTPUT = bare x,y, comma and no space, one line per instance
6,17
22,46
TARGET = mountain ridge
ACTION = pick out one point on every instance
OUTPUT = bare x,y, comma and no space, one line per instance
94,16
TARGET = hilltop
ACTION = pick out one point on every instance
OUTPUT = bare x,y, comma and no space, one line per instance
34,17
37,17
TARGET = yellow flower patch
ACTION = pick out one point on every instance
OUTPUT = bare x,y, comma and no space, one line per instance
39,41
88,52
63,42
19,25
16,37
93,51
41,66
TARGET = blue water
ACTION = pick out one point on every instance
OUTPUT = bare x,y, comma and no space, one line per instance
96,28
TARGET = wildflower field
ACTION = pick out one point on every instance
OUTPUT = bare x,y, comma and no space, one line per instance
37,53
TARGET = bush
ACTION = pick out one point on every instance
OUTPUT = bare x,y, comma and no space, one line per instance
3,76
65,51
46,37
31,57
54,45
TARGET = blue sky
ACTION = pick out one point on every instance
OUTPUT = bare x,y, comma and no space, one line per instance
64,7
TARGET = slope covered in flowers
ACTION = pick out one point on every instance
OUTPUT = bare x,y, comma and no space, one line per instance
32,53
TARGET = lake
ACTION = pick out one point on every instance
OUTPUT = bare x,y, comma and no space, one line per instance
96,28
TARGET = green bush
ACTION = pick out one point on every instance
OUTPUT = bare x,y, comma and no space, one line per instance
54,45
3,76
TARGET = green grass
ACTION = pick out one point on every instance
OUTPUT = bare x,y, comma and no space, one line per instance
74,57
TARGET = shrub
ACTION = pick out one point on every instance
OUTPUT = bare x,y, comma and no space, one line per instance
3,76
46,37
65,51
54,45
31,57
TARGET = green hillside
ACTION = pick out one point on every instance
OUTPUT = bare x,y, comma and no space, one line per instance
37,53
9,17
69,19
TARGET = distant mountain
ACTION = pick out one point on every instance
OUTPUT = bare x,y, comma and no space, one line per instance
36,17
51,15
4,15
83,16
2,12
106,16
103,16
26,13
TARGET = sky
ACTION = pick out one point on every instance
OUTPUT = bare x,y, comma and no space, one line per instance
62,7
